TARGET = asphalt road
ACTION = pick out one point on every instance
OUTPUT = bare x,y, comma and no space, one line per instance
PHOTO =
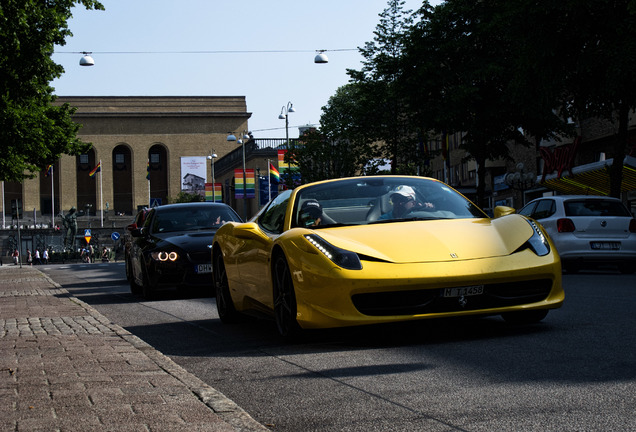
576,371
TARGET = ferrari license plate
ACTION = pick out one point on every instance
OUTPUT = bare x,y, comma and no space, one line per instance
605,245
203,268
463,291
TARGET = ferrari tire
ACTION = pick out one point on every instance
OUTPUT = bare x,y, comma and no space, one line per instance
224,305
285,308
525,317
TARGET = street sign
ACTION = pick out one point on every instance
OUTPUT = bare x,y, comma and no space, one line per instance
114,236
87,235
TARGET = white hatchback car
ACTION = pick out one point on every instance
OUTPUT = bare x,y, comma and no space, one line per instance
587,230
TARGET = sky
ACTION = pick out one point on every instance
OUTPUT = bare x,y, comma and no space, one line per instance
179,48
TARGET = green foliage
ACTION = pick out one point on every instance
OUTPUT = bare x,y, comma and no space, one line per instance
184,197
33,131
499,72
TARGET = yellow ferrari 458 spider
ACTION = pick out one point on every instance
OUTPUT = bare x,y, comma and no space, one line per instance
381,249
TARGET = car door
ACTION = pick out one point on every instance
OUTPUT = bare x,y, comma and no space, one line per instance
253,255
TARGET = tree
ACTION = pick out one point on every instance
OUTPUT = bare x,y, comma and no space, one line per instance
385,117
34,132
460,71
602,82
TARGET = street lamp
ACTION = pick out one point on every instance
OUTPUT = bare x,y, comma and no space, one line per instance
211,158
87,60
246,137
284,114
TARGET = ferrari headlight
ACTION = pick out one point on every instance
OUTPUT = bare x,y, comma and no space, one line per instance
164,256
538,242
342,258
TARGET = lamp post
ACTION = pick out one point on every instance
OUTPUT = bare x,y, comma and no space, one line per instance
211,157
246,137
284,114
521,180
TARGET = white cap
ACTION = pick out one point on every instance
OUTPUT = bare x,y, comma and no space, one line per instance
405,191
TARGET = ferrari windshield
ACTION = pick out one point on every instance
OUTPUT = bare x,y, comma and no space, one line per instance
366,200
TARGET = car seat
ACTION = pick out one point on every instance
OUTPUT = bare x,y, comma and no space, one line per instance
380,206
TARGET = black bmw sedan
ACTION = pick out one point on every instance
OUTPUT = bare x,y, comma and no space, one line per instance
172,248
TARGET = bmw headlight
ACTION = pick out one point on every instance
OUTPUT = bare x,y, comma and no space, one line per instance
538,242
164,256
342,258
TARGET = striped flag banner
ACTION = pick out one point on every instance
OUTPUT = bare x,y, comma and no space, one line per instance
218,192
250,188
238,183
282,165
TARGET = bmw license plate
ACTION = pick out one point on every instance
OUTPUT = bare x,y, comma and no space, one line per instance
463,291
605,245
203,268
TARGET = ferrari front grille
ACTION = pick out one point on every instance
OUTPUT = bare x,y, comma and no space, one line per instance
425,301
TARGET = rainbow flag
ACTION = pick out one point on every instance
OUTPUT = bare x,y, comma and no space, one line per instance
49,171
238,183
148,170
284,165
273,172
250,191
214,192
95,170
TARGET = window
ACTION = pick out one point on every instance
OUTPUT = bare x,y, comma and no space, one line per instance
84,159
154,158
273,217
120,159
545,208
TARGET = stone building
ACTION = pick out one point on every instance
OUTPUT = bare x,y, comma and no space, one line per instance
135,138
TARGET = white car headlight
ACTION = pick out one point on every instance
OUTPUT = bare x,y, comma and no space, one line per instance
164,256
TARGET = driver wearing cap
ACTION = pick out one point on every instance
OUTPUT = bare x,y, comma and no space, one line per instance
404,200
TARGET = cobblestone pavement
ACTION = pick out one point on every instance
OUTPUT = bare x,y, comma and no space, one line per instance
66,367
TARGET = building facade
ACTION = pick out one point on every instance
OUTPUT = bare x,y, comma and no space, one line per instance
139,143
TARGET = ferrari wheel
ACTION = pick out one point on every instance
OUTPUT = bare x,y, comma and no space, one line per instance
224,305
284,299
525,317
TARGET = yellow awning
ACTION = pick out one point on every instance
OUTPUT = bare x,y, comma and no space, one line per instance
592,179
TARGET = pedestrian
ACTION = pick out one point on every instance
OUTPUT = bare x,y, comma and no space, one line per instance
45,256
29,257
37,257
16,257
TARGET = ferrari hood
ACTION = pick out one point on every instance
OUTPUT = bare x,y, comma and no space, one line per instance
433,240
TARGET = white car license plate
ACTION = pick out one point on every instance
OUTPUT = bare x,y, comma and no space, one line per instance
203,268
605,245
464,291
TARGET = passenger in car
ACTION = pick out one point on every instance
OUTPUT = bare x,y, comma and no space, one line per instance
310,213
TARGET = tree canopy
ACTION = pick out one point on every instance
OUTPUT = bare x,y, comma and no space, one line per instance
499,72
33,131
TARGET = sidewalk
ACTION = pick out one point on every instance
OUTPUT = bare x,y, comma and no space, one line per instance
66,367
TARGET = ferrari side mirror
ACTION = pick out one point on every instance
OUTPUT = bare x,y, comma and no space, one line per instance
503,211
